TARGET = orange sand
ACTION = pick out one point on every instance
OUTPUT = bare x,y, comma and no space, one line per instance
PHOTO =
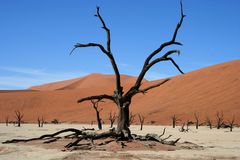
204,91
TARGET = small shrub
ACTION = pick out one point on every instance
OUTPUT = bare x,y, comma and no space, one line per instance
55,121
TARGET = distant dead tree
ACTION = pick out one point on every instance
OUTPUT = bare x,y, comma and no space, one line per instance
141,120
43,121
188,123
182,129
209,122
18,117
7,120
196,116
40,121
131,118
96,108
112,118
174,120
231,123
219,117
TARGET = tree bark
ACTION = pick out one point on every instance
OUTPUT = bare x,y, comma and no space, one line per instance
123,120
99,121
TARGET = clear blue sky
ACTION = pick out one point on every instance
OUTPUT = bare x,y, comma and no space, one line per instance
37,36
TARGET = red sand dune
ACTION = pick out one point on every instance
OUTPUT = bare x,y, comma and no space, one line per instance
203,91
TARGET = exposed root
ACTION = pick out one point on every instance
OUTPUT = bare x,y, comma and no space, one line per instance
91,135
46,136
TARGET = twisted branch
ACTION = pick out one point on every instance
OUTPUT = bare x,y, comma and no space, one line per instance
158,50
152,86
78,45
107,52
98,97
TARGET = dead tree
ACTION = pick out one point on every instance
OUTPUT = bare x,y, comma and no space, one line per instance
174,120
196,116
40,121
96,108
43,121
209,122
141,120
6,120
182,129
18,117
112,118
123,99
219,117
131,118
188,123
231,123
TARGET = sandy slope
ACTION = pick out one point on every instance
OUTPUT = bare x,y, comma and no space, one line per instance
205,91
225,145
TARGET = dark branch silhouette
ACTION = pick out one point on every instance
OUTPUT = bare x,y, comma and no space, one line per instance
141,120
96,108
231,123
174,120
123,100
219,117
131,118
112,118
40,121
158,50
209,122
98,97
144,90
7,120
196,116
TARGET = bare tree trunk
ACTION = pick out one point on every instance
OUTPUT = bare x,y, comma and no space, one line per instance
112,118
123,121
95,106
174,120
43,121
219,117
7,120
39,122
131,118
231,123
19,117
99,121
209,122
196,115
141,120
188,123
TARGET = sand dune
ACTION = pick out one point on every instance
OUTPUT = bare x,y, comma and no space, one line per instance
204,91
91,81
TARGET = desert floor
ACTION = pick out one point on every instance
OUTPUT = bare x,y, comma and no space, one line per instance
217,144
